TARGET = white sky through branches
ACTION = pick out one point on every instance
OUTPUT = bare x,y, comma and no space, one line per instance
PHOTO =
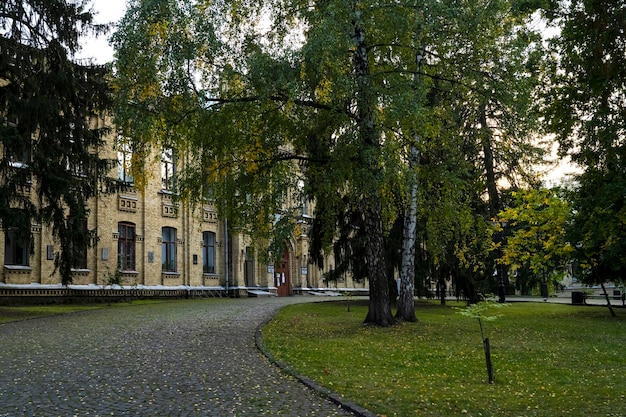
99,49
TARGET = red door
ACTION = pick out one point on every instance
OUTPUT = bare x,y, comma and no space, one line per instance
282,279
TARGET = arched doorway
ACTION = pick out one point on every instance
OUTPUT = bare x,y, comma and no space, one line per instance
282,277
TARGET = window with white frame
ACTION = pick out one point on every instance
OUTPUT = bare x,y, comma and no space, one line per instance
168,168
124,158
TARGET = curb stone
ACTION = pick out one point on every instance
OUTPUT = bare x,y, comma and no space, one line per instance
309,383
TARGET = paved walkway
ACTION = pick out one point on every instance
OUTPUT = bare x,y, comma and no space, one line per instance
567,299
196,358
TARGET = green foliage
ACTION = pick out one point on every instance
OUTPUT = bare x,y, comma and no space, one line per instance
534,240
599,215
584,110
483,311
551,360
115,278
51,123
329,94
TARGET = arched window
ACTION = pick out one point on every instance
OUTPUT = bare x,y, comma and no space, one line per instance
126,246
208,252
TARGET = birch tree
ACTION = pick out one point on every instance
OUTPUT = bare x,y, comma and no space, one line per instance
271,94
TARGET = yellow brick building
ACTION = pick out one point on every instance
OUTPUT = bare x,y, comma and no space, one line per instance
143,238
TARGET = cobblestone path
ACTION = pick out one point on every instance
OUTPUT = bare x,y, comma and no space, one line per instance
192,358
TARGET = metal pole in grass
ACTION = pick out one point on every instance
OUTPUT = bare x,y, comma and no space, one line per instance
480,311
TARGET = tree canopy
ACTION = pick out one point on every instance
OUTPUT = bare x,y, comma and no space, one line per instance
585,110
325,100
535,243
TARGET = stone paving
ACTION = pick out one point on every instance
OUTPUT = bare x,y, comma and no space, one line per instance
195,358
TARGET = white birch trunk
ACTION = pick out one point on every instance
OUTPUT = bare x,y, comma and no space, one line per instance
406,301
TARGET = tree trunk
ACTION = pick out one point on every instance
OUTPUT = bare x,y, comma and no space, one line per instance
487,348
406,298
379,306
608,300
493,194
490,174
369,182
443,288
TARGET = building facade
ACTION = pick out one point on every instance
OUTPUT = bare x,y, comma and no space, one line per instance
145,238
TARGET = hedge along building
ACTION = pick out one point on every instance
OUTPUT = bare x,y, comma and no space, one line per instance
146,237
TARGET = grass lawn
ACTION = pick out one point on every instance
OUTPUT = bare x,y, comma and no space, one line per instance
549,360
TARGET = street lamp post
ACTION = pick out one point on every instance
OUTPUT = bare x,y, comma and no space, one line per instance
501,288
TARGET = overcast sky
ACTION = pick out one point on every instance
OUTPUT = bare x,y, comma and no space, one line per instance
99,49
